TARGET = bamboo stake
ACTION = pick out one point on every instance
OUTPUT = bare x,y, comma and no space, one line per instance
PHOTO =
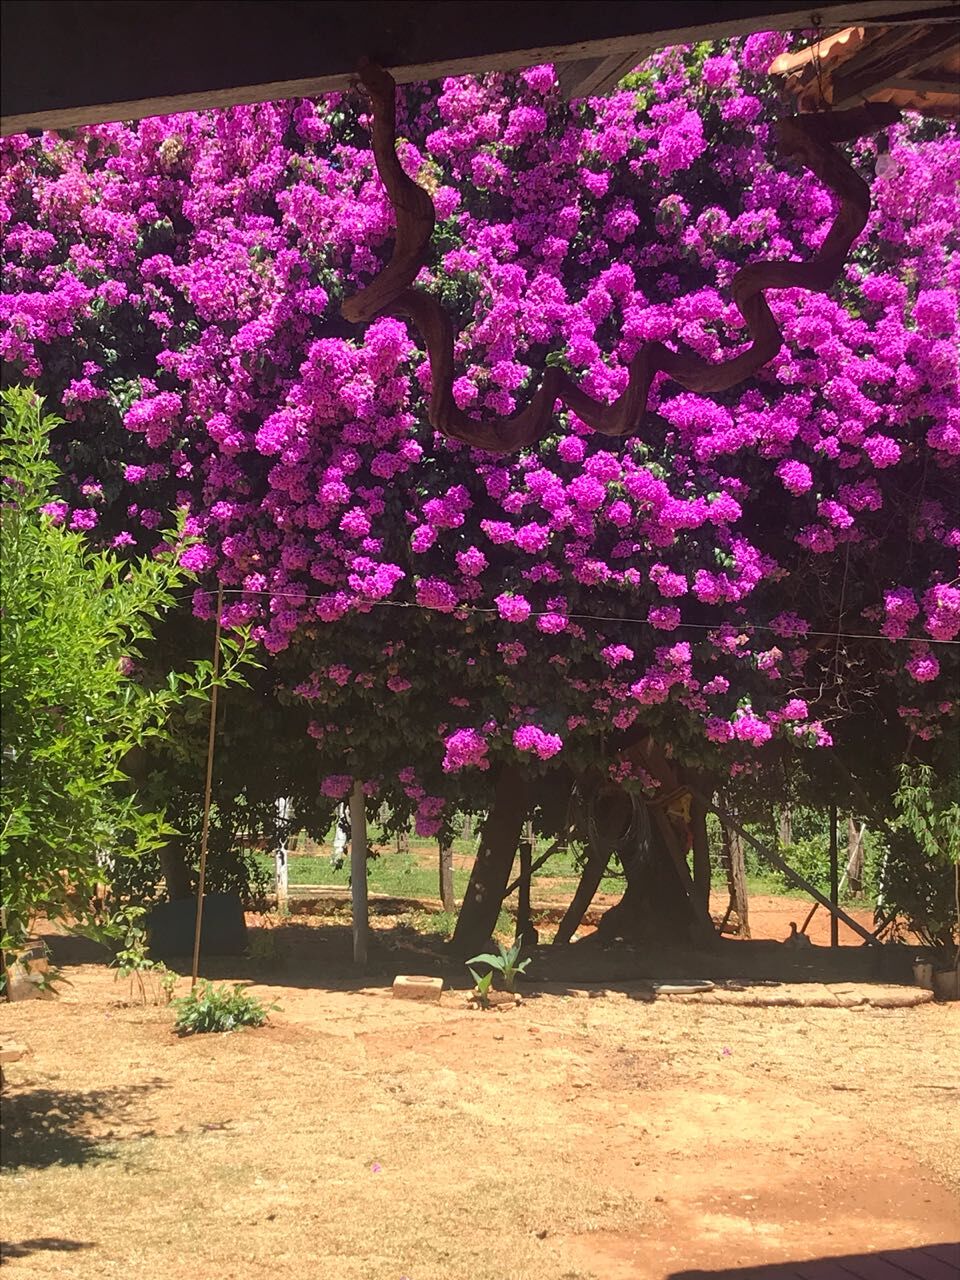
207,790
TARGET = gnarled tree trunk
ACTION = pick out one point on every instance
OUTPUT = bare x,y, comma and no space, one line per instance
655,907
494,861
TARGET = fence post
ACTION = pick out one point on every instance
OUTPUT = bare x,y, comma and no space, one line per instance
446,879
525,932
281,857
834,878
358,873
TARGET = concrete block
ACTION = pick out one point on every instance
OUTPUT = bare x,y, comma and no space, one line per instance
412,987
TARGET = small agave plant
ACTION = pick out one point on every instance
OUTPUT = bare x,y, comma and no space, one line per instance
508,964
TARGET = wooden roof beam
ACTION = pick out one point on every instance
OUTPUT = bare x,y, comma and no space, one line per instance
70,62
592,77
882,61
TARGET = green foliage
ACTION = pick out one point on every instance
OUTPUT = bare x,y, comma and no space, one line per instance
74,621
210,1008
482,986
441,923
133,961
922,891
507,963
928,807
919,876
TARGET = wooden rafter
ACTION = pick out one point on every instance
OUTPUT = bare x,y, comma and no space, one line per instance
593,77
220,53
915,67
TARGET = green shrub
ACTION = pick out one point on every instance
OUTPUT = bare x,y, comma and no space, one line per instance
210,1008
74,709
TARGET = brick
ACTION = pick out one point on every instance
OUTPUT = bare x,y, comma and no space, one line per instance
411,987
12,1052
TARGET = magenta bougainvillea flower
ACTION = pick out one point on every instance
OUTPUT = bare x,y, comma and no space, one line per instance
174,287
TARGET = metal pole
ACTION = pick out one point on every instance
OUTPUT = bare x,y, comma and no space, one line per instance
358,872
834,879
208,787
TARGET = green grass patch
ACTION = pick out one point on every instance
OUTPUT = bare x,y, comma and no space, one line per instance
409,875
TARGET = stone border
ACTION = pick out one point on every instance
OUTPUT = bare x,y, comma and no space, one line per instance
810,995
763,995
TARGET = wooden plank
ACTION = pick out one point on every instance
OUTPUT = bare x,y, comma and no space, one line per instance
873,1266
821,1269
220,54
922,1265
886,59
918,85
593,77
949,1253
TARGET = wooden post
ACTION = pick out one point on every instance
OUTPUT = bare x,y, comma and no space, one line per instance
854,872
524,930
339,847
446,879
786,826
282,860
736,879
834,879
358,873
701,856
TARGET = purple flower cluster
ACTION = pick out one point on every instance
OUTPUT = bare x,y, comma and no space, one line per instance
175,284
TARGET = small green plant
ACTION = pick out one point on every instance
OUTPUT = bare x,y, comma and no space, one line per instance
263,948
168,982
210,1008
482,987
508,964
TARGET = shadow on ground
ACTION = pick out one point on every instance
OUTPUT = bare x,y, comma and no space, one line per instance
930,1262
41,1244
45,1127
302,951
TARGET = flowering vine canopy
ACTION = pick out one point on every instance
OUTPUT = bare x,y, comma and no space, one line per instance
734,575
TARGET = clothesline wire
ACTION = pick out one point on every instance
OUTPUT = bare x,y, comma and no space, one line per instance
577,617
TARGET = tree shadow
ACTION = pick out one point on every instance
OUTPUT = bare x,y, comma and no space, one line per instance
316,951
928,1262
41,1244
46,1127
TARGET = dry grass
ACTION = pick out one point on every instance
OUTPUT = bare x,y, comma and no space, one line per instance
356,1137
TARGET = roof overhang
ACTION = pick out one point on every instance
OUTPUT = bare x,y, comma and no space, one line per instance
74,62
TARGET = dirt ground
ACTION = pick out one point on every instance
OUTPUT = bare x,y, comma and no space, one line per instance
571,1138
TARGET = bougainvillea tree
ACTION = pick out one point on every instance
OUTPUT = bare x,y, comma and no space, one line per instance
748,568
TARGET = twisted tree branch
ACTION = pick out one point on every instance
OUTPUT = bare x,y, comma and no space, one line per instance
808,139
